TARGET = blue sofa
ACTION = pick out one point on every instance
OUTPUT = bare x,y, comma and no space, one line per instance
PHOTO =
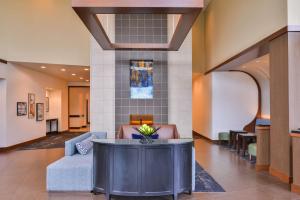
73,172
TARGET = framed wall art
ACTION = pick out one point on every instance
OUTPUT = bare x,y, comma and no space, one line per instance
47,104
39,112
21,108
31,105
141,79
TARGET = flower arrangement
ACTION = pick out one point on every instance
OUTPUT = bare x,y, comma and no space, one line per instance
147,132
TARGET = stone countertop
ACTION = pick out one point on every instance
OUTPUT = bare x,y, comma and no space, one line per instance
137,142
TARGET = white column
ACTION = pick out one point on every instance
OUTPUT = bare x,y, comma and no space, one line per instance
102,106
180,83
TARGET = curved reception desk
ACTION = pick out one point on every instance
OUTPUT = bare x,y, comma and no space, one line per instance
128,168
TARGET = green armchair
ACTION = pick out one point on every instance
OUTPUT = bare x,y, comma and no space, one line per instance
252,150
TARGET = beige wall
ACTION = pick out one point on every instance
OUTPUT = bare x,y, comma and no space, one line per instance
293,12
202,104
19,128
234,25
221,103
46,31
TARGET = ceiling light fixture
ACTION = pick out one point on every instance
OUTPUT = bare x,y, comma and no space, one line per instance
258,61
80,78
43,67
87,80
73,74
63,69
86,69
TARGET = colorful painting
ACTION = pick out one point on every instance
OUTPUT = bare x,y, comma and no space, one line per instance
141,79
21,108
31,106
39,112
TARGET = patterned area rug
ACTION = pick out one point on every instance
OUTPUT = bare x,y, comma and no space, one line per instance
204,182
51,141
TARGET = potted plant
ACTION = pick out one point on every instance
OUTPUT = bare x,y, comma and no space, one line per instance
148,133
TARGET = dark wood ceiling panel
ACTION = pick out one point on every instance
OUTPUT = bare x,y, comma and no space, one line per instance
87,10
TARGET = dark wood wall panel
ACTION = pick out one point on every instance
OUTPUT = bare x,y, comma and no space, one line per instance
279,77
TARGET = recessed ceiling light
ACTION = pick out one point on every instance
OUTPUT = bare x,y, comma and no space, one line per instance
87,80
80,78
244,66
63,69
43,67
86,69
258,61
73,74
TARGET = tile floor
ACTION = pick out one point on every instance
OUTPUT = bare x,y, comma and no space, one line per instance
22,177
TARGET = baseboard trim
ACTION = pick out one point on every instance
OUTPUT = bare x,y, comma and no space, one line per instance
199,136
260,168
295,188
75,128
3,61
282,176
13,147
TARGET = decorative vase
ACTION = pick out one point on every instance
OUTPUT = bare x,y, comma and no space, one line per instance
146,139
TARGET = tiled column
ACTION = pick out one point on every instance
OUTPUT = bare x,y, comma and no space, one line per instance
102,109
180,83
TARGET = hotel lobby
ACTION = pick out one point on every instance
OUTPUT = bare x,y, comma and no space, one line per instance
158,100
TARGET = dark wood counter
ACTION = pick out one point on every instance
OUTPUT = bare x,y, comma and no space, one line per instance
126,167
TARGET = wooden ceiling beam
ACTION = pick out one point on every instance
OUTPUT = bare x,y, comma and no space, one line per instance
87,10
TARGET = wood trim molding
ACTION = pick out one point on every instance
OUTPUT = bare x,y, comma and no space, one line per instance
3,61
200,136
295,188
282,176
189,10
296,135
16,146
265,41
263,128
260,168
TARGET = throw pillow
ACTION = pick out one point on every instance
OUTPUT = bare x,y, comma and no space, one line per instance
85,145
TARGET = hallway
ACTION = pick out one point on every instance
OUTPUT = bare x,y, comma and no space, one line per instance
23,177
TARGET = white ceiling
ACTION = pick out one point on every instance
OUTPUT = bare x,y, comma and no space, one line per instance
56,71
257,67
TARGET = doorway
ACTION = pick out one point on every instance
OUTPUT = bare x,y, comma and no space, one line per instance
79,108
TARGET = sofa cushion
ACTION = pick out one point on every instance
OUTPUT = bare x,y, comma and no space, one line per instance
70,145
71,173
85,145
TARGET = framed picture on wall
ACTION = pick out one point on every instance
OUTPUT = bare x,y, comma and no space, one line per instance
31,105
21,108
141,79
47,104
39,112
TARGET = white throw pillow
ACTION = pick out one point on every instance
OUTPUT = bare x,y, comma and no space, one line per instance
85,145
